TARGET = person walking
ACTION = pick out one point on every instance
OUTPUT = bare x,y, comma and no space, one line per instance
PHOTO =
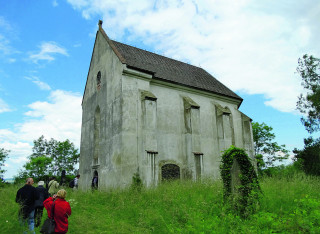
61,210
53,186
26,197
43,195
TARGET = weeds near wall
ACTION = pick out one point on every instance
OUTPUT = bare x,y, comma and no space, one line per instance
136,182
246,198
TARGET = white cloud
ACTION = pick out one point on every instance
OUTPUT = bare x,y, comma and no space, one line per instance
19,151
18,155
78,4
77,45
252,46
42,85
7,33
11,60
4,107
4,45
47,52
55,3
7,135
59,117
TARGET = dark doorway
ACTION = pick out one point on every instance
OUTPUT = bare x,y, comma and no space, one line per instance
95,180
170,172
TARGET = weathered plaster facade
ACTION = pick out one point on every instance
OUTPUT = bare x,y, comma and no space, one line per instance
133,122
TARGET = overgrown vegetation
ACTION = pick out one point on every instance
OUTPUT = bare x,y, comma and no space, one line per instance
136,182
244,196
290,204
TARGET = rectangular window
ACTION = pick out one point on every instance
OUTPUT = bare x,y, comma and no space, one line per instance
151,158
198,157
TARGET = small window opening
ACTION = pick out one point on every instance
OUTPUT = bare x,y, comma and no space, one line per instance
99,80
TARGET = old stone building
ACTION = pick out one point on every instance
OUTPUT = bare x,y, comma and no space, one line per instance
148,114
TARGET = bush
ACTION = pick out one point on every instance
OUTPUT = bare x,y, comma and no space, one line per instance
136,182
309,157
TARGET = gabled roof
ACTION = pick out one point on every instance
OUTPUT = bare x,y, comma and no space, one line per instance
171,70
167,69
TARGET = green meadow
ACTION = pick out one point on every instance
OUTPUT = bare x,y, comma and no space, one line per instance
290,203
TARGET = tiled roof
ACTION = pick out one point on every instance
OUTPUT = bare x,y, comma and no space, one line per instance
167,69
171,70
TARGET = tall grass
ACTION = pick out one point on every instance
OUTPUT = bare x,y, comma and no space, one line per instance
289,204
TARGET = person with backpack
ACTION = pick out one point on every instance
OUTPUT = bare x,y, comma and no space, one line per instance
53,186
43,195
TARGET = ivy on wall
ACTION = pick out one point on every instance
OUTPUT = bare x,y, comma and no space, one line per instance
247,195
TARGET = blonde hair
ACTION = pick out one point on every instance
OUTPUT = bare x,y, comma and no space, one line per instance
61,193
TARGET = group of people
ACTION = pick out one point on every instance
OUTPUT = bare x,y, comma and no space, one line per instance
32,200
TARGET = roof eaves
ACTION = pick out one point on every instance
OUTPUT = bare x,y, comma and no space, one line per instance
197,88
141,70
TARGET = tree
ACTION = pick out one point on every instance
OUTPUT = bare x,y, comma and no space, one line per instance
38,167
65,156
267,151
51,157
309,157
3,156
309,103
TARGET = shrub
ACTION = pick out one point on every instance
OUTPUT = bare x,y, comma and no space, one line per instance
136,182
309,157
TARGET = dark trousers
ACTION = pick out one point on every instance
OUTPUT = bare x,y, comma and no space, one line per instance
38,215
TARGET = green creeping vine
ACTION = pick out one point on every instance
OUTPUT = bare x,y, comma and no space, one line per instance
248,192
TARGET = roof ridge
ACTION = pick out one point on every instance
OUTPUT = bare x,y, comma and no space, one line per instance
159,55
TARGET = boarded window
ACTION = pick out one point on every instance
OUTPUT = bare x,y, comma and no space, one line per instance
170,172
198,157
151,157
225,129
149,112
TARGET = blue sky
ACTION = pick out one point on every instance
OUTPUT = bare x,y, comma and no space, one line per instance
46,46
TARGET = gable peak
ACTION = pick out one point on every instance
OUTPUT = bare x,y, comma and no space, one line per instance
100,24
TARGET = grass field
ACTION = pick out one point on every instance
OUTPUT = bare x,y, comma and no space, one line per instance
289,204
